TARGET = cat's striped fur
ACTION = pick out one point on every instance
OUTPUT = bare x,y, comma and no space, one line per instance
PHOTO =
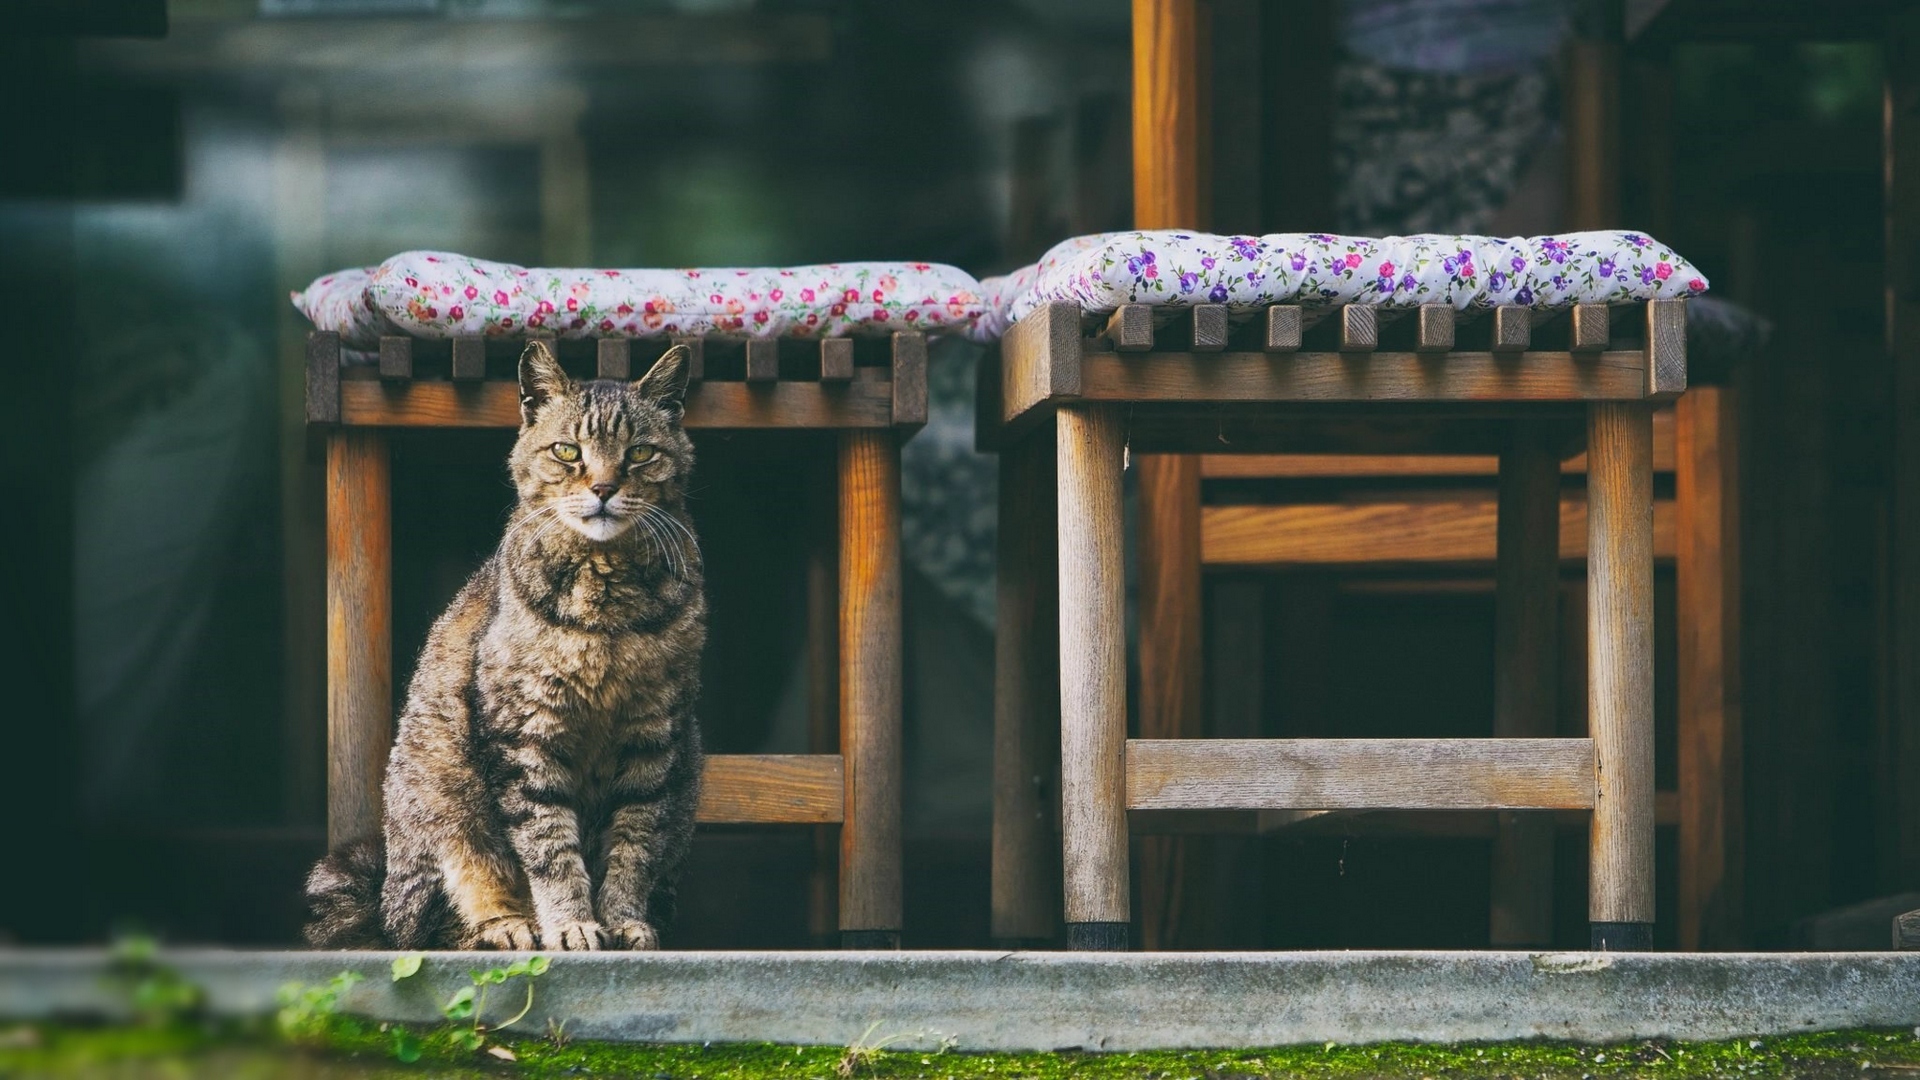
542,785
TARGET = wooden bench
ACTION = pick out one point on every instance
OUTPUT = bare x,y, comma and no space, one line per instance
873,394
1072,398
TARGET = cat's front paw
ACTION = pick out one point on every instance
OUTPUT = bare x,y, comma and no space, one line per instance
575,937
509,933
636,935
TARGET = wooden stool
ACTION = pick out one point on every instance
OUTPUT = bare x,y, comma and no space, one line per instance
1122,388
872,401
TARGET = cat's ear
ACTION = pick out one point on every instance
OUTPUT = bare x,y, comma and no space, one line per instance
665,383
541,377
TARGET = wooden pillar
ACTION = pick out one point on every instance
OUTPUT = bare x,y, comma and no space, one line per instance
1026,699
823,686
1899,818
1707,569
1093,676
870,690
359,631
1168,192
1620,672
1592,98
1525,654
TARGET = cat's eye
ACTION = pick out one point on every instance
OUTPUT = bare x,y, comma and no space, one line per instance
640,454
566,451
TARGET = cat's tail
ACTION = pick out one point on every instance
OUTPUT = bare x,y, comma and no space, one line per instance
343,893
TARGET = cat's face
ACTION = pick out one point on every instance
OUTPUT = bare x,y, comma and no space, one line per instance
597,457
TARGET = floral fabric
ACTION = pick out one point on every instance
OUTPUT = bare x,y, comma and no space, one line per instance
436,294
1171,268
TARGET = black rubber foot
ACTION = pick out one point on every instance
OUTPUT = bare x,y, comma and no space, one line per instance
1622,936
1097,936
870,939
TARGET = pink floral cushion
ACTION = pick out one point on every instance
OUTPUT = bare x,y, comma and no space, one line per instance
436,294
1177,268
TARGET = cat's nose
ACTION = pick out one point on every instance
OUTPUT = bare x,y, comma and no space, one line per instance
605,491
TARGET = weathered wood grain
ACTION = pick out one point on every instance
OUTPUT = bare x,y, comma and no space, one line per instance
870,681
1359,328
772,789
1707,572
1209,326
1168,583
1461,528
396,357
1666,348
909,378
1526,610
1591,327
1284,327
1093,664
1512,328
323,377
1130,328
469,358
836,359
1620,661
763,360
1435,332
1383,376
1040,359
1025,887
613,358
359,631
1359,774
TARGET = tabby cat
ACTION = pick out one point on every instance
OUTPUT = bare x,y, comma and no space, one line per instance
542,785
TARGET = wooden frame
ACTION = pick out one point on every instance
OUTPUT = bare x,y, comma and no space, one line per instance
1105,401
872,406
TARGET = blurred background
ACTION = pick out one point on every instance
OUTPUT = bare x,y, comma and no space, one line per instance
170,170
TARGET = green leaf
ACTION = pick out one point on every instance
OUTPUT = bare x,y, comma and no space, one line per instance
406,967
537,965
460,1005
406,1046
518,967
466,1038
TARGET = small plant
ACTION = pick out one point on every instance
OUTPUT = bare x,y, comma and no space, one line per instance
467,1007
160,995
311,1012
557,1033
863,1054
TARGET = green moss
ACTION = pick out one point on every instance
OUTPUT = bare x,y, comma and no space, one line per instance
362,1051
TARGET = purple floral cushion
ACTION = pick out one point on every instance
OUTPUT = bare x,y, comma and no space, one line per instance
437,294
1175,268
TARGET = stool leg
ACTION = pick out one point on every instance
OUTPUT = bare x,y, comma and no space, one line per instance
359,630
1620,672
870,691
1026,699
1093,677
823,684
1525,632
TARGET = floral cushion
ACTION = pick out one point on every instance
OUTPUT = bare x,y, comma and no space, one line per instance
435,294
1170,268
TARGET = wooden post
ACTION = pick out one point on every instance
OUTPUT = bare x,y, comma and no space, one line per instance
1026,699
359,631
823,684
1707,571
1620,672
1525,651
1170,662
1899,817
1168,170
1093,676
870,690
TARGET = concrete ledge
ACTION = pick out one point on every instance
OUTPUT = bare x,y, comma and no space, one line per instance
1043,1001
